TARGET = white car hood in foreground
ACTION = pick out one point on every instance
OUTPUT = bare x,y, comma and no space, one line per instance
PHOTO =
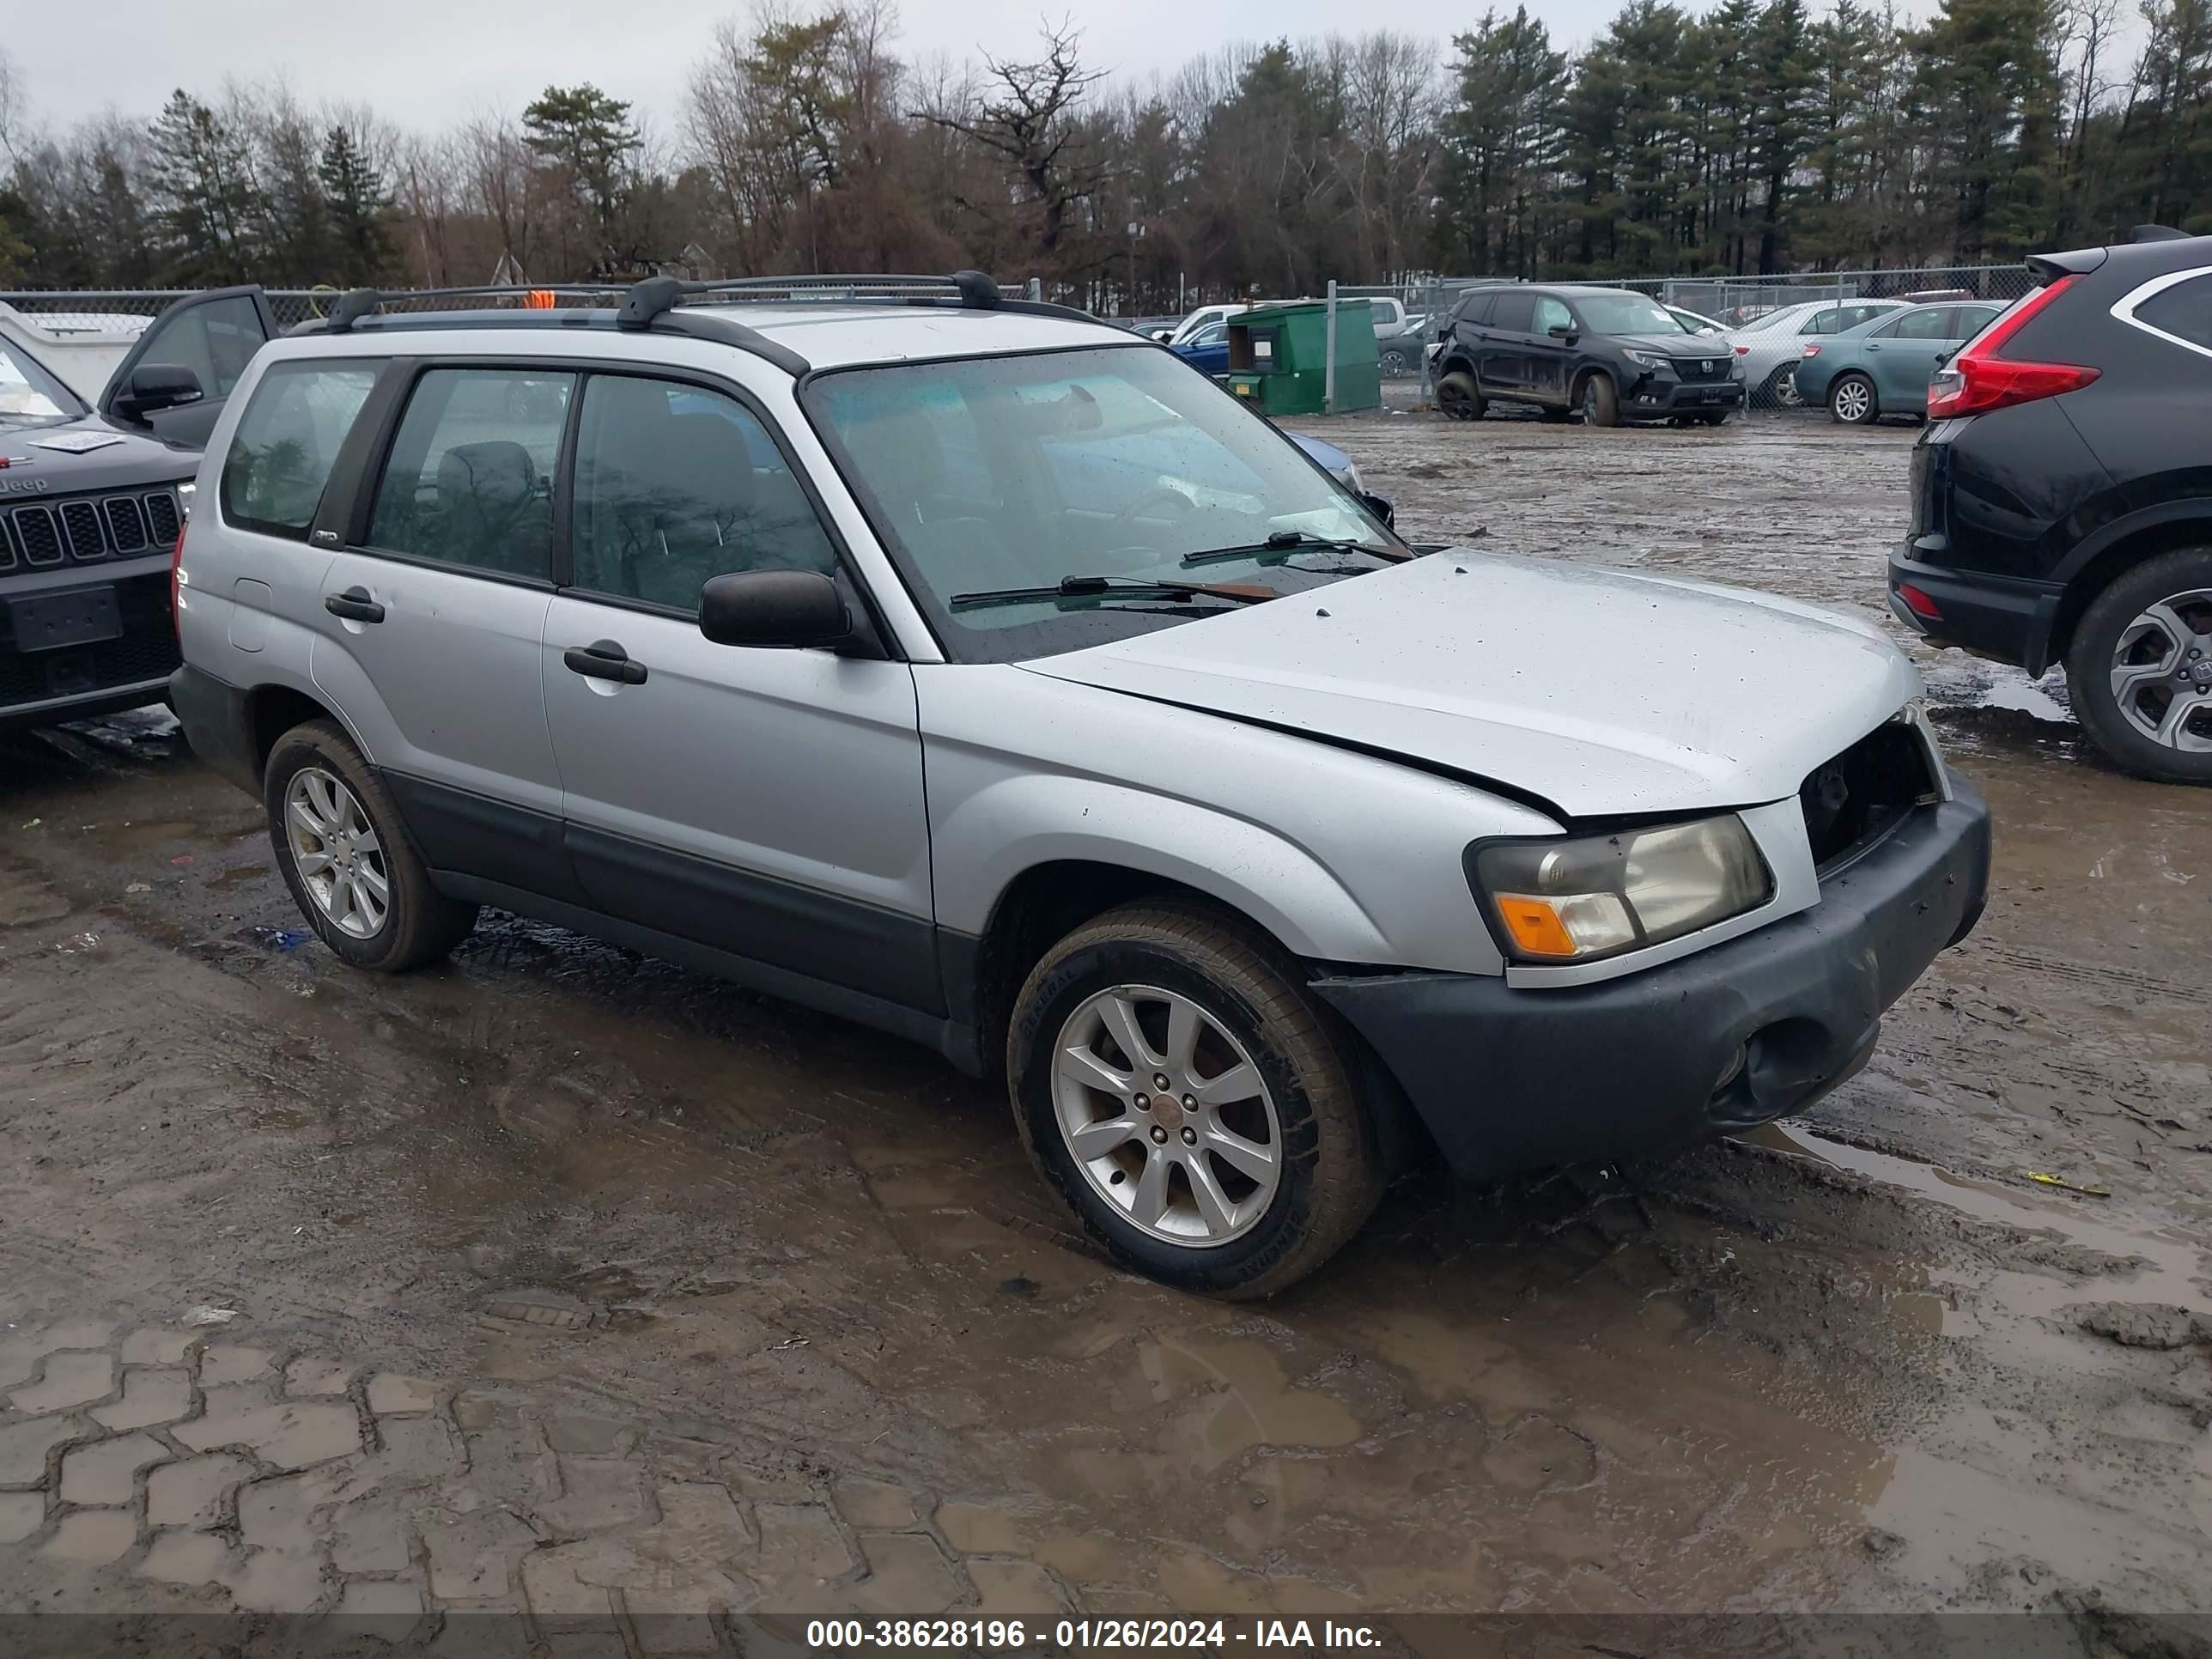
1601,691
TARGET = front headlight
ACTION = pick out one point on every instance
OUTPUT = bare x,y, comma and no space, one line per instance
1553,901
1646,359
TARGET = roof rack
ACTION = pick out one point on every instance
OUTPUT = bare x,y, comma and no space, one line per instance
356,303
967,290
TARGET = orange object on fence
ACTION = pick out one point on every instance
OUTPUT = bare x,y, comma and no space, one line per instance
540,299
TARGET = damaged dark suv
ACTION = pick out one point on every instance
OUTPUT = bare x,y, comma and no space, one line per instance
1612,355
89,516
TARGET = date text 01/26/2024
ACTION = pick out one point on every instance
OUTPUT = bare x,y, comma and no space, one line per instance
1084,1635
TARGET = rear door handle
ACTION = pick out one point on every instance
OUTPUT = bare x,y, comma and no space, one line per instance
354,605
603,660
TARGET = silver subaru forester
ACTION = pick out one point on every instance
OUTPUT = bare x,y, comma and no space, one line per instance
963,666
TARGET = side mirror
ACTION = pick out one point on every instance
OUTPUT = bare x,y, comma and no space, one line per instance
787,608
1561,330
158,385
1380,507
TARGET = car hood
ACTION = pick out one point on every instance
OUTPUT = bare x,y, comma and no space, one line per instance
121,458
1673,345
1596,691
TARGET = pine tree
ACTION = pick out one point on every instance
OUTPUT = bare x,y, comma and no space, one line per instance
354,203
205,204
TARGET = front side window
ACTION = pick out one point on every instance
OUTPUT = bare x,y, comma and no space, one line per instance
215,340
469,481
1551,314
676,484
1927,323
991,481
286,441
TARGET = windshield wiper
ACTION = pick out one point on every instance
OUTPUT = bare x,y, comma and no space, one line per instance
1281,543
1079,587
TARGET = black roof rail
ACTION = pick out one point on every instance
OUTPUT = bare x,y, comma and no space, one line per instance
970,290
2160,234
356,303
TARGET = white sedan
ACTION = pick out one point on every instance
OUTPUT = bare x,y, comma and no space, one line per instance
1767,348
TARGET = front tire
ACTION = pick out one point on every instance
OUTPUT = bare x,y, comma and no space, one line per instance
1254,1163
1599,402
1459,397
2145,700
345,851
1851,401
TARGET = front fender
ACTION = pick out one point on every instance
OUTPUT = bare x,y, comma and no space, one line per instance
1023,820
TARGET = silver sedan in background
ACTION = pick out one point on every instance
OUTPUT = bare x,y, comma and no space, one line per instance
1767,348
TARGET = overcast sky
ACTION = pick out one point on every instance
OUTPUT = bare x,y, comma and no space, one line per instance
428,63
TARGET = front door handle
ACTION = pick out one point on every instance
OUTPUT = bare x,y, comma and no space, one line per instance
354,605
603,660
1874,345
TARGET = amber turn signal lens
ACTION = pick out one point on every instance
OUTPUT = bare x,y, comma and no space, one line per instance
1535,927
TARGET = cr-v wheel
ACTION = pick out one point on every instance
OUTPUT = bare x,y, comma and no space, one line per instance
2140,668
346,857
1189,1102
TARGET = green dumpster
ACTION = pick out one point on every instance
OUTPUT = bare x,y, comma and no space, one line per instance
1279,357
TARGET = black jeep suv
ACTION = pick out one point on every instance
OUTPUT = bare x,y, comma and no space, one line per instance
1611,353
2061,497
89,513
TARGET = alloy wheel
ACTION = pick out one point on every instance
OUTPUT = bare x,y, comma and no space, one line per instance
2162,672
335,847
1781,388
1167,1116
1854,401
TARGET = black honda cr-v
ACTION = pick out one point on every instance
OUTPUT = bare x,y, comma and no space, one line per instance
1609,352
2061,497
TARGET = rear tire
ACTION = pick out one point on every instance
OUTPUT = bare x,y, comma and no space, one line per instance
410,923
2140,631
1393,363
1853,402
1599,402
1459,398
1250,1015
1780,389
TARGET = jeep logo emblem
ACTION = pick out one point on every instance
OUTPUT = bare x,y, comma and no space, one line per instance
24,486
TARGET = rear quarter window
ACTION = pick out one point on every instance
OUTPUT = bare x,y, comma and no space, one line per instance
281,455
2183,311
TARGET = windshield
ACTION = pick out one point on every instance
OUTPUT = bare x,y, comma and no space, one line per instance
1627,313
29,396
994,475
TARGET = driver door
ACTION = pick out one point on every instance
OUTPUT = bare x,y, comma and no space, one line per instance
214,335
1549,356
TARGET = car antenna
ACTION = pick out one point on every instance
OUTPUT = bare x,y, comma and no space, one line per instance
978,292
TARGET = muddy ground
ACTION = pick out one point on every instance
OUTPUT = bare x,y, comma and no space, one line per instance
830,1347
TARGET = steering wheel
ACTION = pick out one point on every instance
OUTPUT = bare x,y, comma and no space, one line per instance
1162,497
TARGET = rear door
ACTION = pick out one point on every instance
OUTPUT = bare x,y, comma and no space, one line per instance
430,619
766,803
213,336
1502,365
1902,355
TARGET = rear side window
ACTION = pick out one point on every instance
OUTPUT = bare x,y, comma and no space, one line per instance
2184,311
470,479
1475,308
676,484
281,456
1513,311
